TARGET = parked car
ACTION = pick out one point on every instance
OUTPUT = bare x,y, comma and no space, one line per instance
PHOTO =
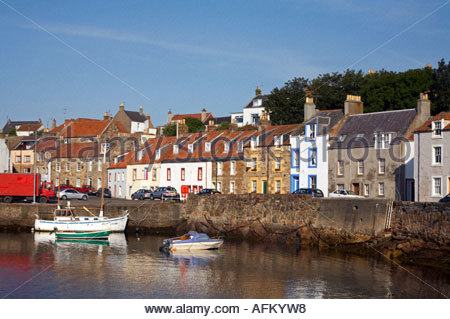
445,199
165,193
209,191
106,192
70,193
87,190
343,193
141,194
315,192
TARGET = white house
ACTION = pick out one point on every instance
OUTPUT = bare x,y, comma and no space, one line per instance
4,156
117,175
309,148
253,110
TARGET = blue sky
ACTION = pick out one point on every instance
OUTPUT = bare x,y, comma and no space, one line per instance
186,55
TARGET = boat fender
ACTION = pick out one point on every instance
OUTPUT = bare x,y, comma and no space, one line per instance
165,247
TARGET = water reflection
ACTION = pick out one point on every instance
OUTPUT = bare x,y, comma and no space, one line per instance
134,268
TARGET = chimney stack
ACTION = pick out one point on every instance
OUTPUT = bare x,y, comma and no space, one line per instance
258,91
182,128
121,108
423,107
233,126
353,105
106,116
203,115
309,109
148,123
169,117
53,124
141,110
210,127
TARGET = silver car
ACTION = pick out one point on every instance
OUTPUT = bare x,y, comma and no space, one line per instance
69,193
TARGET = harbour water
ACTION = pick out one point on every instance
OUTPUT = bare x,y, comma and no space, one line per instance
35,266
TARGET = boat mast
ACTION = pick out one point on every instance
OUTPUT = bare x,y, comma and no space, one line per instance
105,147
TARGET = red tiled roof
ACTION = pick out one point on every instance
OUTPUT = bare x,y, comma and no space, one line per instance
426,127
29,127
123,161
198,116
87,127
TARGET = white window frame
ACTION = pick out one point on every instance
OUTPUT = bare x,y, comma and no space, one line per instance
366,189
436,130
233,168
99,165
219,168
58,167
340,168
381,160
232,187
78,168
219,186
381,190
90,165
240,147
360,167
278,186
434,155
67,166
176,149
278,140
254,186
78,182
208,147
254,163
190,148
433,186
277,163
226,147
383,140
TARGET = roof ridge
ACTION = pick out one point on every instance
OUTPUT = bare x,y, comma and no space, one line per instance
391,111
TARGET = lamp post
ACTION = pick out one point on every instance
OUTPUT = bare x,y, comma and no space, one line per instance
104,150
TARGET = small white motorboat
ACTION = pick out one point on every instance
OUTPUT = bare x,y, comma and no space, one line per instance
190,241
65,220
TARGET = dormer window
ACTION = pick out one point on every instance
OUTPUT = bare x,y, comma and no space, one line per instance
240,147
158,154
208,147
254,141
175,149
383,140
278,140
257,102
226,147
140,155
190,148
310,132
437,129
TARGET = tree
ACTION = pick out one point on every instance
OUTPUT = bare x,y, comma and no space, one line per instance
223,126
440,89
330,90
194,125
285,105
12,132
170,130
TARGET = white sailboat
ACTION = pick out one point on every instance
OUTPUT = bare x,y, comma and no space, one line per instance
64,219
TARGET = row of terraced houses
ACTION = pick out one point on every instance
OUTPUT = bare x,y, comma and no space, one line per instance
394,154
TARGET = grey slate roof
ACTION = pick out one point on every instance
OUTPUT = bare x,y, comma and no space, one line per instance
326,119
12,124
218,120
136,116
250,104
368,124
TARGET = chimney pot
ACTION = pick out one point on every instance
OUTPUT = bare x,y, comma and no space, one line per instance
141,109
258,91
353,105
423,108
204,115
309,109
121,108
169,117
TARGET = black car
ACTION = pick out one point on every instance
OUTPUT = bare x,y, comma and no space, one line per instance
445,199
315,192
141,194
106,193
209,191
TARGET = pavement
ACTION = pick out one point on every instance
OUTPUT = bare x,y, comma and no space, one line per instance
94,201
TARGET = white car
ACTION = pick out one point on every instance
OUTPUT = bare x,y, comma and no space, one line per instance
342,193
69,193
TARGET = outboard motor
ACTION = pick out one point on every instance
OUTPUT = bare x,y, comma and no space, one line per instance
165,247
